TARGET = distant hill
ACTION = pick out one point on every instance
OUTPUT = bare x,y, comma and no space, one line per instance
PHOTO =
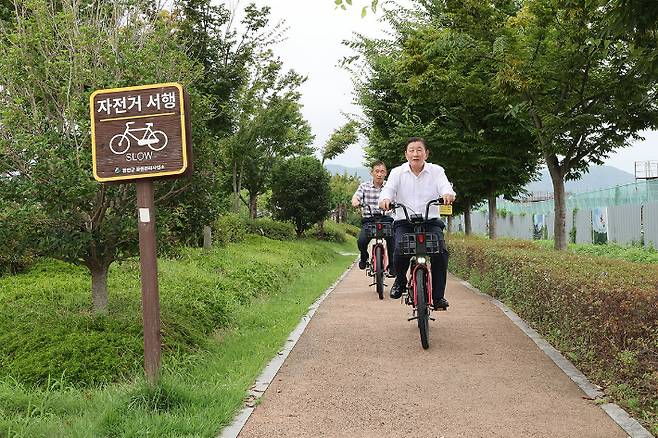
336,169
598,177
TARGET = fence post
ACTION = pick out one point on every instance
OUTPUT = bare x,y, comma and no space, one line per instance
207,237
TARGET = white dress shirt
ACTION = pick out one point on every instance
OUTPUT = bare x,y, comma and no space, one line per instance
415,192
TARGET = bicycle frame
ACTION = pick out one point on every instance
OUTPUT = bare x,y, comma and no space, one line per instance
420,258
378,230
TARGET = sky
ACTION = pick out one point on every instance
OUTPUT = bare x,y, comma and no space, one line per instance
313,48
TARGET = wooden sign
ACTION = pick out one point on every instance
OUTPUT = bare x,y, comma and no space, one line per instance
139,132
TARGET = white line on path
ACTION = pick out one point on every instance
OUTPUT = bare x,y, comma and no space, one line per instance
631,426
266,377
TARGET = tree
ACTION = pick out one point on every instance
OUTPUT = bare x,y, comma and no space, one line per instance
51,58
300,192
434,80
270,127
340,140
581,95
342,189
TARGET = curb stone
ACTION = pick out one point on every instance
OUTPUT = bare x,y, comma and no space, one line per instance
263,381
631,426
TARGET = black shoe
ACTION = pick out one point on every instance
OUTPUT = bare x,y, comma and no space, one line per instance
390,273
440,304
396,291
362,264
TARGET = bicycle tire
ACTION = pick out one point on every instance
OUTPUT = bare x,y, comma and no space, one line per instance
420,277
162,139
379,271
116,143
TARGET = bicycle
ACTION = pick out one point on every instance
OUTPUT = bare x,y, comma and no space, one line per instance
419,245
378,230
120,143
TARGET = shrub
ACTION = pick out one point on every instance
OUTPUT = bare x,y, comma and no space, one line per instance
601,313
229,228
47,330
351,229
332,232
273,229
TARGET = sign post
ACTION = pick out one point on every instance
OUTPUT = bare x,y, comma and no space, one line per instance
139,134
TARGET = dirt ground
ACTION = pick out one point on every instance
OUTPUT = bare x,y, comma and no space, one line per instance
359,371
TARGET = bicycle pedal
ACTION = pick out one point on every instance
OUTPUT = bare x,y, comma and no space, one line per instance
432,319
412,318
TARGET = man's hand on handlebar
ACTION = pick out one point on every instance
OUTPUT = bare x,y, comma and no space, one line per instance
448,198
356,203
385,204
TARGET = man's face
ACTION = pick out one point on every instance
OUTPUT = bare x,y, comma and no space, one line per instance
379,173
416,153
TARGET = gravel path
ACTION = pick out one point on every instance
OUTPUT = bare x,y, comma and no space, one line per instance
359,371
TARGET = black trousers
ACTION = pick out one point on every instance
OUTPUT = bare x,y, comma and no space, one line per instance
363,242
439,262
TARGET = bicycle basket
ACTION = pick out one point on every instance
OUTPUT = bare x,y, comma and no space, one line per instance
378,230
410,244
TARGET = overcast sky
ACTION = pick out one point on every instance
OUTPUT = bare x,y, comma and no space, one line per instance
313,48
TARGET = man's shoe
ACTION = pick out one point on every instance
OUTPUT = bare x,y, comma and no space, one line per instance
390,273
362,264
396,291
441,304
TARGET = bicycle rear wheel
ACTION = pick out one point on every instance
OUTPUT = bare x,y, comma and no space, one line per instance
379,271
420,279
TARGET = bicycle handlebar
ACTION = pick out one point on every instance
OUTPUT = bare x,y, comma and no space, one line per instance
438,201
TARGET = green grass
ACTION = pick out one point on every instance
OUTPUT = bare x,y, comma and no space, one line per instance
201,388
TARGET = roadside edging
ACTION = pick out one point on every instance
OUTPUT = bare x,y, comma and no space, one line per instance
264,380
630,425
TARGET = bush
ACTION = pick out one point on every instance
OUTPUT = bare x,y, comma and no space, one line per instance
601,313
230,228
272,229
47,330
332,232
351,229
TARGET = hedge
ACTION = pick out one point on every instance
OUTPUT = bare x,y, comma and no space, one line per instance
601,313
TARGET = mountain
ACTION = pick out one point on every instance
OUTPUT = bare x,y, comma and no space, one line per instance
598,177
337,169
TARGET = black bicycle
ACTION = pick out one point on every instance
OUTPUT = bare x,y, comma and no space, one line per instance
420,245
379,230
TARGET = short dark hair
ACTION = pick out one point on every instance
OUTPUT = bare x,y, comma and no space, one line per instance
416,140
377,163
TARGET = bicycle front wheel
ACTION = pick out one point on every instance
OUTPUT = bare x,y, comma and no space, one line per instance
119,144
420,280
379,270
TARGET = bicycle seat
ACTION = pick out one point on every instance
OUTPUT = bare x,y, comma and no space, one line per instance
416,218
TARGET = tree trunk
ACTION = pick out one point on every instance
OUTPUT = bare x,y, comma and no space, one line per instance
253,205
560,203
449,224
492,215
468,229
236,188
99,293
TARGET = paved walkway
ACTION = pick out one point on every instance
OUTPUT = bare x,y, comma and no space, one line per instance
359,371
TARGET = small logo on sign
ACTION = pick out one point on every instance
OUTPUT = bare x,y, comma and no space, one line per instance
156,140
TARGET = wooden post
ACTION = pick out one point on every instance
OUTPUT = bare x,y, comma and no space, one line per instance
207,237
149,265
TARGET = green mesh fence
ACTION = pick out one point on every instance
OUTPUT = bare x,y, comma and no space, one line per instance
641,192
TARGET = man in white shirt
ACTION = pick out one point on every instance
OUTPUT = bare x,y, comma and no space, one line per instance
414,184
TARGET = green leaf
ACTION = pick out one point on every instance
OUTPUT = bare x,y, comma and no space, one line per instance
363,12
374,5
349,2
338,2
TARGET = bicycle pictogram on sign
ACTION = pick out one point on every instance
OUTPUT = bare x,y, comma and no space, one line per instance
156,140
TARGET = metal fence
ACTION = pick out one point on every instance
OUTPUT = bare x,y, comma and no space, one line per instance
623,224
